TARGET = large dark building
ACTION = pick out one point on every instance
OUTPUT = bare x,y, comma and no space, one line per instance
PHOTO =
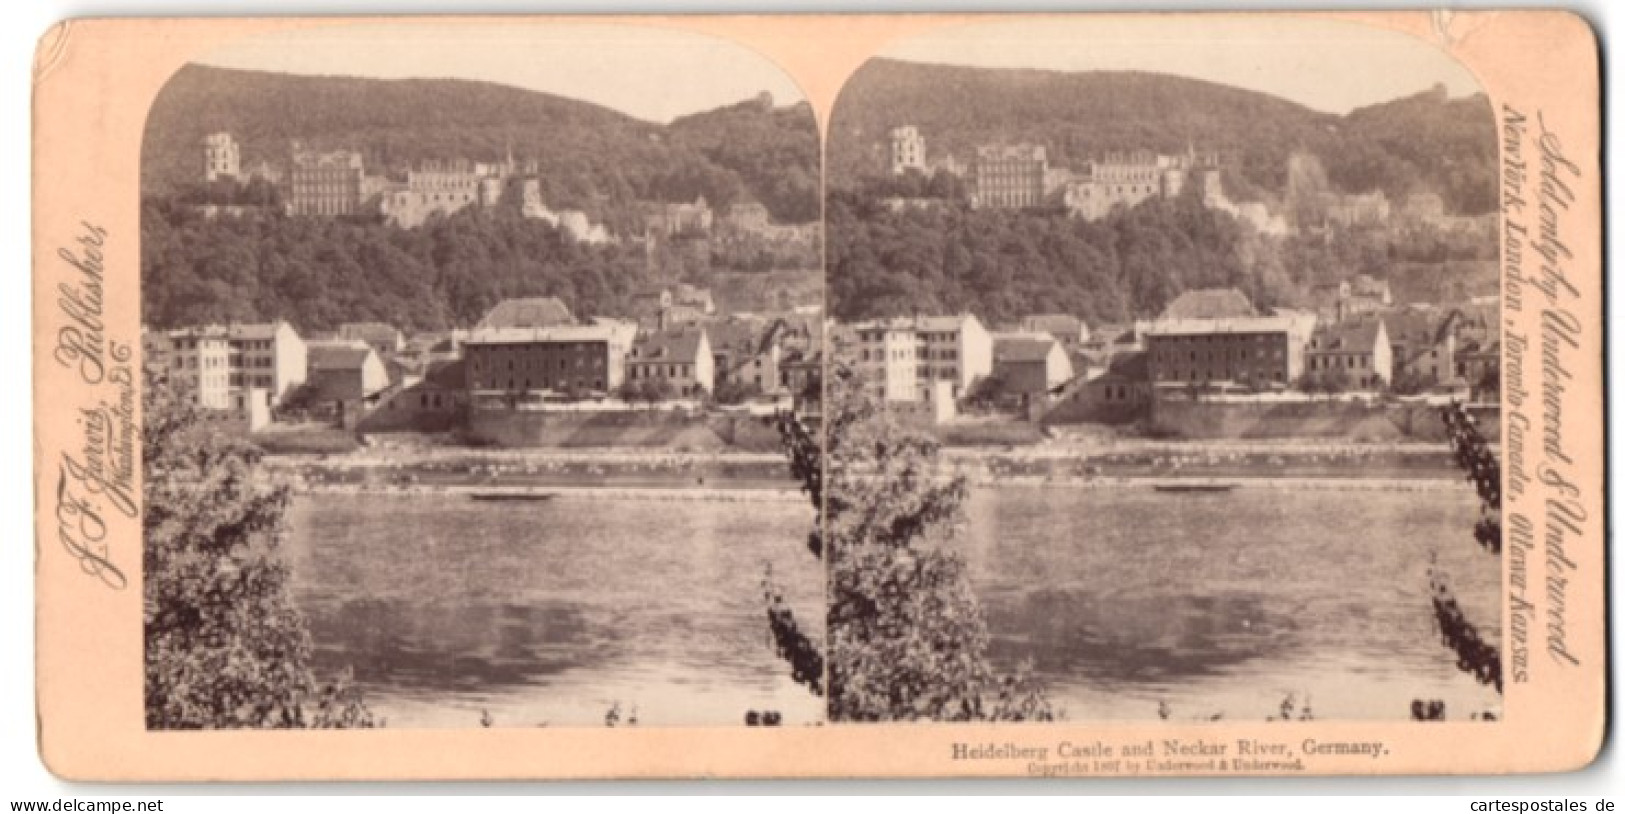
1261,351
572,358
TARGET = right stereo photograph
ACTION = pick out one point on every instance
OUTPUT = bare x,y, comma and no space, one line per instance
1163,376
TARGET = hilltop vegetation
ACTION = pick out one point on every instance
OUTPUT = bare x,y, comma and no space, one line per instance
947,257
1003,264
591,158
773,151
1425,142
319,273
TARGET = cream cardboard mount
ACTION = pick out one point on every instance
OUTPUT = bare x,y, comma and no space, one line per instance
557,537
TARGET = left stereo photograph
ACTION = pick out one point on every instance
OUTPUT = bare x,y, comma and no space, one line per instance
472,354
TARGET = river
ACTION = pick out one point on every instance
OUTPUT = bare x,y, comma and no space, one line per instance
1124,599
1224,604
554,612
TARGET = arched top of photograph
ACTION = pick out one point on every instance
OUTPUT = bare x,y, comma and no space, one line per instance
1246,85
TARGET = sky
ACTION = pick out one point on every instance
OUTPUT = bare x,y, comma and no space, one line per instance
650,73
1326,65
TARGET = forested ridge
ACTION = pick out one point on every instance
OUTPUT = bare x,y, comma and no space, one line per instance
1421,143
319,273
590,157
1004,264
945,256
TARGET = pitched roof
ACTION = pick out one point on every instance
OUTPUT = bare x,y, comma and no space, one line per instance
449,374
338,357
1240,325
1209,303
528,312
1347,336
1129,365
677,346
1022,348
1412,326
602,330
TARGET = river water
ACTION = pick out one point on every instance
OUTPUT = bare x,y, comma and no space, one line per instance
1124,599
1225,604
554,612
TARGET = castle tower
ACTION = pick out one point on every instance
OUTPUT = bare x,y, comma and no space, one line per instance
220,157
907,150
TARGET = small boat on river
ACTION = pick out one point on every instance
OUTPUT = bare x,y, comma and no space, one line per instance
1199,488
513,495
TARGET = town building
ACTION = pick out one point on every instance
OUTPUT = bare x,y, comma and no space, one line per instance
907,150
1247,351
238,367
1029,368
324,184
955,349
802,374
681,358
345,378
1120,393
1422,346
1358,355
886,359
526,362
1478,364
756,353
740,348
436,401
1009,176
200,365
221,159
902,358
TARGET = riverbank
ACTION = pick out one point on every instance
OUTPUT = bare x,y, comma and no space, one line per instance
1057,463
514,494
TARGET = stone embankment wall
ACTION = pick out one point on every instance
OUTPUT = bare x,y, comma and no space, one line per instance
1346,421
654,429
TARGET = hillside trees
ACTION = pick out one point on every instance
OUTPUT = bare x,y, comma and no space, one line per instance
225,646
1426,141
906,636
588,157
319,273
1003,264
1474,655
